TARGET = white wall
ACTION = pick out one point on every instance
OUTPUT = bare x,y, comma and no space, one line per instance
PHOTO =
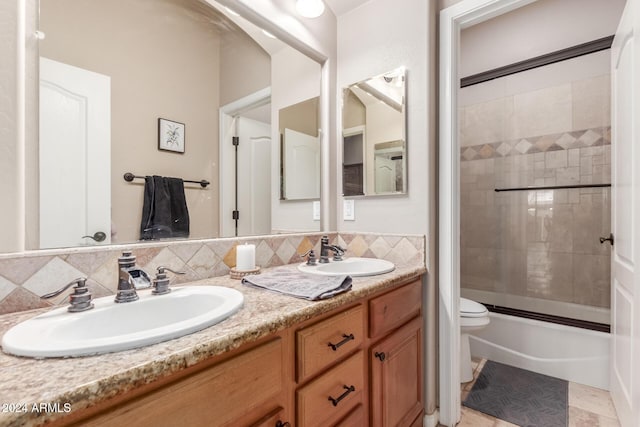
319,34
541,27
377,37
295,78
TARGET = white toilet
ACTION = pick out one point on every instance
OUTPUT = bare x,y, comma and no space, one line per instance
473,317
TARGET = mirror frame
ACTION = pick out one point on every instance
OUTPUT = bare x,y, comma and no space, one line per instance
401,71
26,113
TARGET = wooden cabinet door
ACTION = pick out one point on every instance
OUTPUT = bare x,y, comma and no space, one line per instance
274,419
396,377
215,397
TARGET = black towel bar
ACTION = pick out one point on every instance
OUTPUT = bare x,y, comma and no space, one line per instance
130,177
551,187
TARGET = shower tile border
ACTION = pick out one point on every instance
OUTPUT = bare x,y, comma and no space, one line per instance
592,137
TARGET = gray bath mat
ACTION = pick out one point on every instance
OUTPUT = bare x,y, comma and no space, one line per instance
521,397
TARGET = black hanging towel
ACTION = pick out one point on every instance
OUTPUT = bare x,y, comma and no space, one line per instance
179,211
164,209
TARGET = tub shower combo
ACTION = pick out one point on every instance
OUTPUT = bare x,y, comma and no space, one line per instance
535,177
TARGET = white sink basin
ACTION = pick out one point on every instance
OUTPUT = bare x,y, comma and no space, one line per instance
111,327
353,267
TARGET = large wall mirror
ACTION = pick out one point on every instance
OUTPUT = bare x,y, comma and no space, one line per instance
374,136
139,87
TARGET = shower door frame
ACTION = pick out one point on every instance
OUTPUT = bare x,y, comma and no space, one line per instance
452,20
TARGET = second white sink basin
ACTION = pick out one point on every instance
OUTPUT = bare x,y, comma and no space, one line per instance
111,327
354,267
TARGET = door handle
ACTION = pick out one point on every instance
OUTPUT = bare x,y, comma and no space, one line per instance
346,339
607,239
99,236
336,400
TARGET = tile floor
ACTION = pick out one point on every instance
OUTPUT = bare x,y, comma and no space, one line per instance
588,407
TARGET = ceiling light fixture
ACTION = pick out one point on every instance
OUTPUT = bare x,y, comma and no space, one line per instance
310,8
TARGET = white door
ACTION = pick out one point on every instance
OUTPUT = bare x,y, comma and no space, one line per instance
254,177
625,280
230,116
385,175
301,166
75,155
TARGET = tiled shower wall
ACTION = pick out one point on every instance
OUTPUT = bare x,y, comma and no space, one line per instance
25,276
538,244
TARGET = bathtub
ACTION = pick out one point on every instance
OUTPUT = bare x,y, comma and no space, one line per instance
573,354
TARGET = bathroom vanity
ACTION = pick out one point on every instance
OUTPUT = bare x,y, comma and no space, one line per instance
355,359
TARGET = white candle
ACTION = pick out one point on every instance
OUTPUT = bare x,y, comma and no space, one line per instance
245,257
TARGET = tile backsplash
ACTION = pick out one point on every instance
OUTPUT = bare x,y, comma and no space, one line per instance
25,276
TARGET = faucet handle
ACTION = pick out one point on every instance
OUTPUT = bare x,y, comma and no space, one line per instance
311,260
337,253
128,259
80,299
162,269
161,281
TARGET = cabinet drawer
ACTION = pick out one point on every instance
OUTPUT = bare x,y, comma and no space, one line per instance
395,308
320,345
355,419
344,384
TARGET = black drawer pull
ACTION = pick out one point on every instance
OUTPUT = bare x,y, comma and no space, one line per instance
380,356
346,339
348,388
281,424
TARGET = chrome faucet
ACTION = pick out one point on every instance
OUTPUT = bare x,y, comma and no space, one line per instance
130,278
325,247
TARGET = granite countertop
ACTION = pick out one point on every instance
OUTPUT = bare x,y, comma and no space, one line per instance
76,383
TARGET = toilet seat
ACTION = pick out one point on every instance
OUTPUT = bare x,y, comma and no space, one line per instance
469,308
473,317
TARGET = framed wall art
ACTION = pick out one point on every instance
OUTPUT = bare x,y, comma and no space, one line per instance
171,136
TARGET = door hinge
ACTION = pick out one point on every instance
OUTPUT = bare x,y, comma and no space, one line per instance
236,214
235,140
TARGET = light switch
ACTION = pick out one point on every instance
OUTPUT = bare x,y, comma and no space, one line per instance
349,210
316,210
